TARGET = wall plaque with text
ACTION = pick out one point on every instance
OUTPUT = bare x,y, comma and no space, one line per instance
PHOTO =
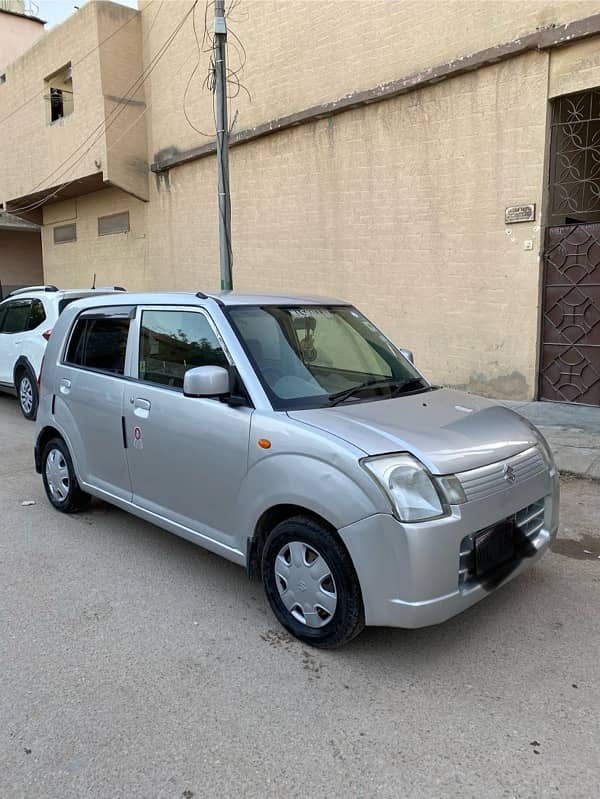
519,213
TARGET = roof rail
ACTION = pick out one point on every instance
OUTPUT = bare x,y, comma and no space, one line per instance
31,288
109,288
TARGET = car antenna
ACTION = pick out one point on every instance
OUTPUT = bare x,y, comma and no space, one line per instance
94,283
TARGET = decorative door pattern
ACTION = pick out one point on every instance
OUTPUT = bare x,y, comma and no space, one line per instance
570,356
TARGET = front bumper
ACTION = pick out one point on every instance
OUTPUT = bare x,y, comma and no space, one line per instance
412,575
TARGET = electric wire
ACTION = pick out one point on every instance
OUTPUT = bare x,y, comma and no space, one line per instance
103,127
74,64
201,50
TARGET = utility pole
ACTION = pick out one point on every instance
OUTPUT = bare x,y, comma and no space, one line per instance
222,145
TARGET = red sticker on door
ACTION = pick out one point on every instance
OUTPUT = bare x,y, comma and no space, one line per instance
138,438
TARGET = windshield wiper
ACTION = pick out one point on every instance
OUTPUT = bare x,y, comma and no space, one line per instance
372,382
412,384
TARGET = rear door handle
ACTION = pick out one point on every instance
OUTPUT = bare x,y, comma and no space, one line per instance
141,407
65,385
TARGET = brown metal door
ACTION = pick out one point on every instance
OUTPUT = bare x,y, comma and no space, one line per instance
570,357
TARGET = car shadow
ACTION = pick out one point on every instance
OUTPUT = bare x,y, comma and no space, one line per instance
455,641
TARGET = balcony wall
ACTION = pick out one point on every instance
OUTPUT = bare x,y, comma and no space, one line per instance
102,142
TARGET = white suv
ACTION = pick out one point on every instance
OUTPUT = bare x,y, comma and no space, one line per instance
27,317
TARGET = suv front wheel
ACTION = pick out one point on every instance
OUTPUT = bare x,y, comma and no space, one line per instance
27,393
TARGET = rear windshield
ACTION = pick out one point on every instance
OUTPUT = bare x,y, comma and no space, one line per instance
62,304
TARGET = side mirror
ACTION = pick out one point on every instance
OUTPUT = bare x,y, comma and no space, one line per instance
408,355
206,381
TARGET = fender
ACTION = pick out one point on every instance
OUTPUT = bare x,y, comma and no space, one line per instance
23,362
310,482
38,450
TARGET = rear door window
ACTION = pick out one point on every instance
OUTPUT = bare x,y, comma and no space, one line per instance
99,343
16,316
37,315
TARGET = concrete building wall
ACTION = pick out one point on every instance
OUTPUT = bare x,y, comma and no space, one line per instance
117,259
301,53
17,34
397,205
20,258
124,99
91,141
409,227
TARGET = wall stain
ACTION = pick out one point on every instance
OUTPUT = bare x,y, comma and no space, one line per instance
510,386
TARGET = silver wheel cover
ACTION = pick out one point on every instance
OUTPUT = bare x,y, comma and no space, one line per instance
26,394
305,584
57,475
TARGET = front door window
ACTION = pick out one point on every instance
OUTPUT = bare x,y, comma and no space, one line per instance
173,341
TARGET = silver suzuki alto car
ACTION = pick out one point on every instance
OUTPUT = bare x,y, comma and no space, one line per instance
289,435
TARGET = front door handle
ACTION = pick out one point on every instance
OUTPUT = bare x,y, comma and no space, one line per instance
65,386
141,407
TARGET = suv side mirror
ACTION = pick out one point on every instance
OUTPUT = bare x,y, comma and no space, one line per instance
408,355
206,381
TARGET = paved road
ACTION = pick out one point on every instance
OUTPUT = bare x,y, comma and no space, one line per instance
133,664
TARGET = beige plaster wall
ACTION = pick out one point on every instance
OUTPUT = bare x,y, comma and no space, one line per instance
304,52
118,259
89,141
399,207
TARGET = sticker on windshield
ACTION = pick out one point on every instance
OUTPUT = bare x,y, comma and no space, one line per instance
303,313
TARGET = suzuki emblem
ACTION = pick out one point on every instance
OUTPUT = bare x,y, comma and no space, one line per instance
509,473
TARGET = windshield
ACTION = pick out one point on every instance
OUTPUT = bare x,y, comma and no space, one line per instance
319,355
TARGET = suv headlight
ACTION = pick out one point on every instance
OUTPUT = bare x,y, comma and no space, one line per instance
415,495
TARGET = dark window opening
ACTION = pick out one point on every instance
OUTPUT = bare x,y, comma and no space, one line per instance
37,315
57,109
99,344
59,86
16,316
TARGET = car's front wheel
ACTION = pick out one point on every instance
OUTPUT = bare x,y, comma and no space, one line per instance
60,482
311,583
27,394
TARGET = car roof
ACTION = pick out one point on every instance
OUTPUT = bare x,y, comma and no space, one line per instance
229,298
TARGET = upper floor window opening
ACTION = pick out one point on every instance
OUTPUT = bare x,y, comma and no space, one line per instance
60,94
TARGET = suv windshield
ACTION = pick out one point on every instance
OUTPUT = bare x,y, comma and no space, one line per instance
320,355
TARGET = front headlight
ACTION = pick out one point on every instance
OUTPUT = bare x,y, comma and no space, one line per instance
408,485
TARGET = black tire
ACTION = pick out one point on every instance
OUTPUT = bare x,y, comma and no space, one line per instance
68,496
348,618
27,393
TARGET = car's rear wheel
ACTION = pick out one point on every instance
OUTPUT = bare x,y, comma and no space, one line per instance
27,394
311,583
60,482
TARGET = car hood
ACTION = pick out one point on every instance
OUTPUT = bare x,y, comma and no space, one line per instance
449,431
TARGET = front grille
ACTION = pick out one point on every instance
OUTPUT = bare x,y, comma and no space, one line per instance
528,522
487,480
